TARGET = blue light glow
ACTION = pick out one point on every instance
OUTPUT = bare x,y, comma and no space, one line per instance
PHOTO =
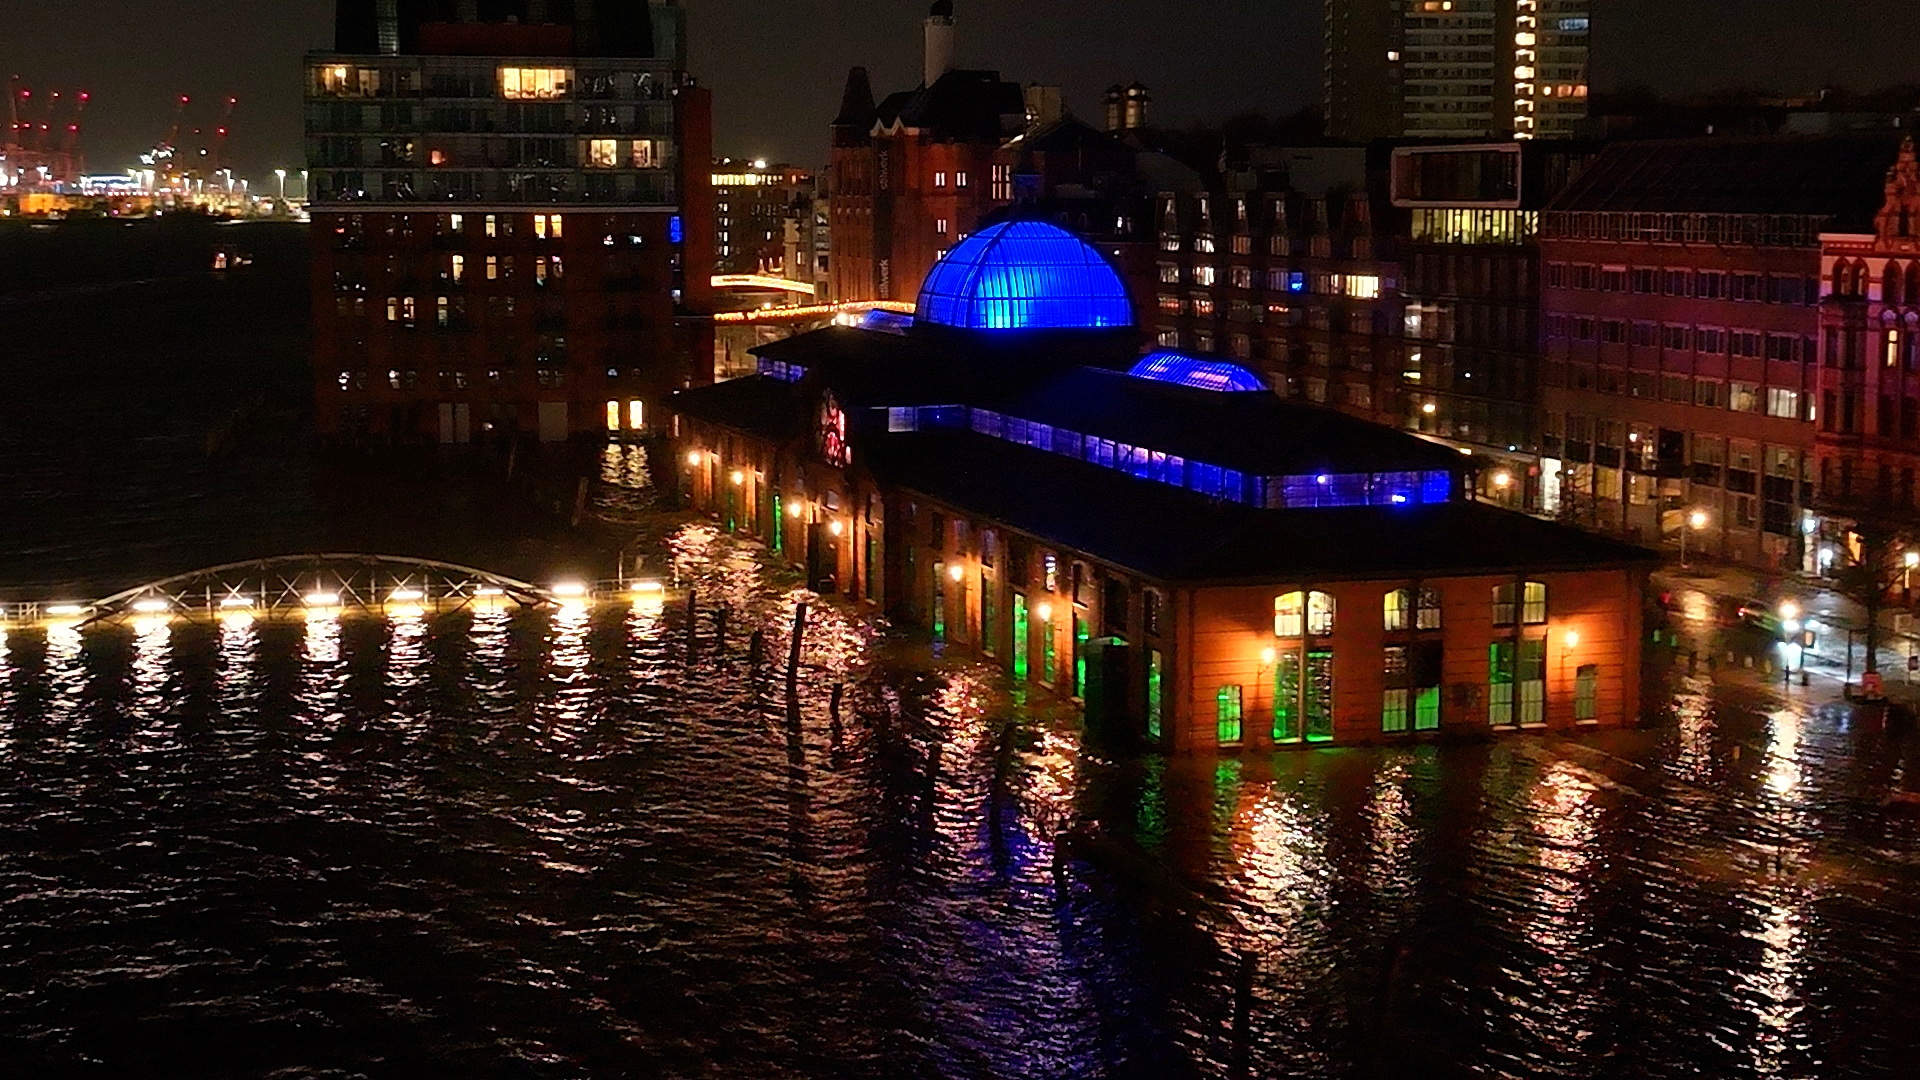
676,230
886,322
1024,275
1184,370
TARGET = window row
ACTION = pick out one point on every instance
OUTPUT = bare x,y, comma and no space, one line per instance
1312,613
1704,340
1747,286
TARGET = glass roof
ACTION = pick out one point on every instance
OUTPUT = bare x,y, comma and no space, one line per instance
1024,275
1184,370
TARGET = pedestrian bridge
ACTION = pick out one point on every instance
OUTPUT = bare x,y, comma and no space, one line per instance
304,585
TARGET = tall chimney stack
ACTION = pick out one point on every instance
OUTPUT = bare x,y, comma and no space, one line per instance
939,40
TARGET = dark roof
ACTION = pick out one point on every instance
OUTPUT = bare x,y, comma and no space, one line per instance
941,366
1176,536
961,105
1261,434
856,101
1070,135
1838,178
756,405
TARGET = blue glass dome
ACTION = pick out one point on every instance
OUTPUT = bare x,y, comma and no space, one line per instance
1024,275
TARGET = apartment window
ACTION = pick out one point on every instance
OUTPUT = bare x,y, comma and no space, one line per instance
1003,184
1745,343
1645,335
1709,459
1710,285
1751,288
457,269
939,179
1646,280
1412,609
1526,601
1613,331
1710,340
1396,712
1743,397
942,226
1296,612
960,179
1169,274
443,312
603,153
1242,277
1613,279
1204,275
1676,338
535,84
1783,403
1678,283
1782,347
492,226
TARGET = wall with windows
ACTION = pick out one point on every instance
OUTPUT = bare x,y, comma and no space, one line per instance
1358,662
1680,376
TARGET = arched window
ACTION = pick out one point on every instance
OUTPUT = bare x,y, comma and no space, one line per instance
1842,276
1399,610
1913,284
1289,615
1303,615
1893,285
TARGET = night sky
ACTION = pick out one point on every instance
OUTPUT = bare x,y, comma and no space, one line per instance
777,65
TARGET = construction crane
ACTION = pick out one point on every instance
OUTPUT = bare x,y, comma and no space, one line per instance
220,138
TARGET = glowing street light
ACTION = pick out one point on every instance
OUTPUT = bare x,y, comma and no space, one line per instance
1696,521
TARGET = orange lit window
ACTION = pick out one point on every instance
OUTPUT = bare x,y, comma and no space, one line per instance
535,84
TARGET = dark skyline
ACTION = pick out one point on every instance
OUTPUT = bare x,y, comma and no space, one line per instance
777,80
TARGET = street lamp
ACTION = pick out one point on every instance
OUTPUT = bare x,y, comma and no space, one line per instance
1696,521
281,175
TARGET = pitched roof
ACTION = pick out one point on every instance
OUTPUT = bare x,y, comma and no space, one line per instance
963,106
1839,178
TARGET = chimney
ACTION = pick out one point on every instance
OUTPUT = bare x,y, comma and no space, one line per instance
939,40
1116,107
1137,102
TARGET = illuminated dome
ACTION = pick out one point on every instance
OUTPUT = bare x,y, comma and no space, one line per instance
1024,275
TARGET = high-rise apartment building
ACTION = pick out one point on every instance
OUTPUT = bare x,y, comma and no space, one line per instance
1456,69
511,219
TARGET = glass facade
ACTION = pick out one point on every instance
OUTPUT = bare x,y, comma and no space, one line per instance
1024,275
1190,371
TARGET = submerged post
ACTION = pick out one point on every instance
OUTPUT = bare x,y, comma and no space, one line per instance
793,649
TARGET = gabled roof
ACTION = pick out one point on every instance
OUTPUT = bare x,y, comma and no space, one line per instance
963,106
1838,179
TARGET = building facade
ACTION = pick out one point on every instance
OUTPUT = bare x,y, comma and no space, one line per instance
1200,562
1292,271
769,220
511,220
1456,69
1469,216
1681,312
1868,444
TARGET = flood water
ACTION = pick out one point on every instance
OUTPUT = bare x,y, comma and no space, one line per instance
564,845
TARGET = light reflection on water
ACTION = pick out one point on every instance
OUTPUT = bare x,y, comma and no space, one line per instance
550,844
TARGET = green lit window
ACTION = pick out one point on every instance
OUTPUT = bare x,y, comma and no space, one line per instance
1156,689
1229,716
1049,653
1081,636
1286,698
1021,637
1319,697
1500,672
1426,709
779,526
939,602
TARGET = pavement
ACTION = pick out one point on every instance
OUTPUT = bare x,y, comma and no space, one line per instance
1833,667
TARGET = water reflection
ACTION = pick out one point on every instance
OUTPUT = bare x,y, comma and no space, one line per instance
624,850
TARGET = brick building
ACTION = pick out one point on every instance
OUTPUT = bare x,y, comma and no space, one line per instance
511,227
1868,444
1291,269
1681,319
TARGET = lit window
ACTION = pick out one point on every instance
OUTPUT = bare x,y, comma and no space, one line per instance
493,268
459,270
535,84
636,415
603,153
646,154
1230,714
960,179
613,416
443,311
942,226
493,226
1363,286
939,179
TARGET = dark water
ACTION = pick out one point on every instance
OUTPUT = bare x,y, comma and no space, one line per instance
548,845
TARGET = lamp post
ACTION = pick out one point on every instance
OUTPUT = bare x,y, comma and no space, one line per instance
1696,521
281,176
